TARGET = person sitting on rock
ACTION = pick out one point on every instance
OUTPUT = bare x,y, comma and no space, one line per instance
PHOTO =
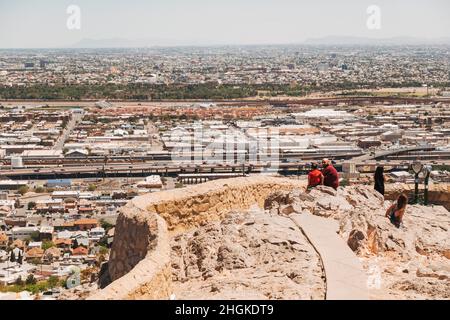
330,175
396,211
315,176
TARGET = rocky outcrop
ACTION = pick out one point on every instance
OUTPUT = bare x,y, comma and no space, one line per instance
411,261
360,212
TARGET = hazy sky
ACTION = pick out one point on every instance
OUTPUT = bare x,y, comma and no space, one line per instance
42,23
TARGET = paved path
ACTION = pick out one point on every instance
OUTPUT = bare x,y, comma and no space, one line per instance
345,277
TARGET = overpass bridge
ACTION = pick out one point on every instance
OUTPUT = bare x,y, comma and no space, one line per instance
384,154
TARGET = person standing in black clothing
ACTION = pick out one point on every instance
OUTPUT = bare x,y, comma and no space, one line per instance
379,180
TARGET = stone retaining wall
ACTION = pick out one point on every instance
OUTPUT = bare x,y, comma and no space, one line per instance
139,264
189,207
140,258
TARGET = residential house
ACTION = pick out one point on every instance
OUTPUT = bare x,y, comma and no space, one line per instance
18,244
32,245
65,194
86,224
85,207
3,241
151,182
3,255
15,222
64,226
50,206
46,233
66,234
7,207
80,251
80,238
34,253
23,233
96,233
52,254
63,244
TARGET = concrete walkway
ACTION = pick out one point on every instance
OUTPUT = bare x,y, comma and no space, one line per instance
345,277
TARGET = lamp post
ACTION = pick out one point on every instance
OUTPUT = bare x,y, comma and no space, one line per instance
428,169
416,168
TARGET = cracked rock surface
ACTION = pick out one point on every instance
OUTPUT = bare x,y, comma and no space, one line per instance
248,255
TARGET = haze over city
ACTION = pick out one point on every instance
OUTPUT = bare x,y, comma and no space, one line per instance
27,24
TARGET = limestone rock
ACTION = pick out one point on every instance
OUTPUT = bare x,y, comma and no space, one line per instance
355,239
247,255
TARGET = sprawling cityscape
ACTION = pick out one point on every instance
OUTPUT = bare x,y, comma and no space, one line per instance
185,172
221,72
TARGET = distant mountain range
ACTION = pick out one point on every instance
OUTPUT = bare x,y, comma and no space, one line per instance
329,40
347,40
128,43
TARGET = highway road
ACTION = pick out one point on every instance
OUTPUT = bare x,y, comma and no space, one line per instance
76,117
243,101
146,169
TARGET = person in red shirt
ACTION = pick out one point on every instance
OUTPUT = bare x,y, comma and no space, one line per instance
315,176
330,174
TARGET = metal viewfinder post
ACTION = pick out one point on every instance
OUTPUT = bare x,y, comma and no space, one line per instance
416,167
